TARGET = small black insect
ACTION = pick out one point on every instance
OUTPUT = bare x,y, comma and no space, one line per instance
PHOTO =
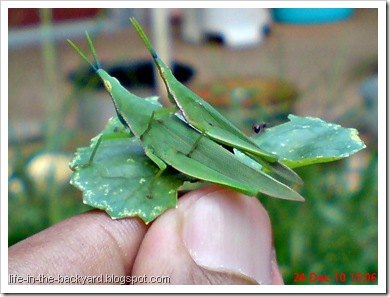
257,128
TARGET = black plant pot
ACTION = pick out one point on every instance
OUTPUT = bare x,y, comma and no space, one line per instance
131,74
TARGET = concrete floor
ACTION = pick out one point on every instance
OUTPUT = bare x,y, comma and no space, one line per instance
323,61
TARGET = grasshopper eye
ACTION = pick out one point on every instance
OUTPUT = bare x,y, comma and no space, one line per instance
108,86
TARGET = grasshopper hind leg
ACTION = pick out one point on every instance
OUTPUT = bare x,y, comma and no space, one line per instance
195,145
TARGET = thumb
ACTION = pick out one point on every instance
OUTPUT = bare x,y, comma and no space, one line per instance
216,236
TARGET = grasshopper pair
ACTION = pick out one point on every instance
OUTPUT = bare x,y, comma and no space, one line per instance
192,143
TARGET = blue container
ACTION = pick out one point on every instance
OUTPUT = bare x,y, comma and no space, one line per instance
307,16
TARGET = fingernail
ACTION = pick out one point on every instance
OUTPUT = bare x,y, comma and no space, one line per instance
229,232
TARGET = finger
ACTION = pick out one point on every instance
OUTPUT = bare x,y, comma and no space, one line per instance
215,236
89,244
277,278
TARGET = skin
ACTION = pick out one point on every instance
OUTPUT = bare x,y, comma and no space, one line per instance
215,236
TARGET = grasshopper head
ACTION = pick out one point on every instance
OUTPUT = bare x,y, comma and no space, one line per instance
110,82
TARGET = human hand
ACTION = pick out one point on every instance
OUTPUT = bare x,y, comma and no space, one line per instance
215,236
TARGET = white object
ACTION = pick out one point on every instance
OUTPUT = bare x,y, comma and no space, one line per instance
236,27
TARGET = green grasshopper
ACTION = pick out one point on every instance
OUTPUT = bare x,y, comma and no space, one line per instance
167,140
201,115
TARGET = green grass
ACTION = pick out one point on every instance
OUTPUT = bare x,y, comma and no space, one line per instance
335,231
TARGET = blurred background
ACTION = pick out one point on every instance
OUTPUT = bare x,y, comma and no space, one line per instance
255,65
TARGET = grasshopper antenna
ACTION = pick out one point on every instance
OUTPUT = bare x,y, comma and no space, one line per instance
143,36
99,66
82,55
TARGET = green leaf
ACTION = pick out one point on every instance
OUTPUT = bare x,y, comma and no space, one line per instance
121,178
306,140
